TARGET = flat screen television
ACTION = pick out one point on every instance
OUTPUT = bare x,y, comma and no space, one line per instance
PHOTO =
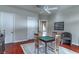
59,26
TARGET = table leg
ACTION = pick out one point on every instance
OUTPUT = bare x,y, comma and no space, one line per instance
38,50
45,48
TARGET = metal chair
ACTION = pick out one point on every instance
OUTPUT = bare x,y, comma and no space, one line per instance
66,38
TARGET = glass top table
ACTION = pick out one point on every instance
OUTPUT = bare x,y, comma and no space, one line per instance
46,39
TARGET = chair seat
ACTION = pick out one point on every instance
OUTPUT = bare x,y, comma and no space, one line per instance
66,38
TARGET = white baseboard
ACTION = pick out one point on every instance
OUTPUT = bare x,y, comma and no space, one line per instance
18,41
21,40
75,44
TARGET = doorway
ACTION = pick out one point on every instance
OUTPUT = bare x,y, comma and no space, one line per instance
43,27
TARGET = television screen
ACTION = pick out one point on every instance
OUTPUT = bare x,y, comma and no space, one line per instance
59,26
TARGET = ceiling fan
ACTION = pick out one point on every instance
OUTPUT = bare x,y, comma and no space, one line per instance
46,8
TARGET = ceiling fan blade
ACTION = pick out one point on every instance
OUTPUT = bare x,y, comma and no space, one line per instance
55,8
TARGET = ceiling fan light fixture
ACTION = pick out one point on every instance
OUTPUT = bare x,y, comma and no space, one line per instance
47,11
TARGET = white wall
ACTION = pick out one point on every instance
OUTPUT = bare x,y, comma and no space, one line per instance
25,28
51,24
20,17
32,27
70,16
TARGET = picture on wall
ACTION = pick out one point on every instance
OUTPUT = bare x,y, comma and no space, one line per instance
59,26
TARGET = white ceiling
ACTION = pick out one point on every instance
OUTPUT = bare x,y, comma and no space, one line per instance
35,9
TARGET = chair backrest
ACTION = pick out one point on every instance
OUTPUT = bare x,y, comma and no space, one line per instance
36,38
66,34
54,33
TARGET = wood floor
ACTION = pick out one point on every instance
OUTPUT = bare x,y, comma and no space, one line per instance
72,47
15,48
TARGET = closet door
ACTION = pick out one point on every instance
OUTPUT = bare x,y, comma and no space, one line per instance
8,26
32,27
20,28
0,23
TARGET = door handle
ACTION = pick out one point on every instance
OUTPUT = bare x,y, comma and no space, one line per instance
11,32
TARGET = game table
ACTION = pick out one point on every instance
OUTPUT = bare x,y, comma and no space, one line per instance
46,39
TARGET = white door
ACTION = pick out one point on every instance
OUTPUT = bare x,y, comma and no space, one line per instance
20,28
8,26
32,24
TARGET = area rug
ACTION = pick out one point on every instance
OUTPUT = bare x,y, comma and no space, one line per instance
30,49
